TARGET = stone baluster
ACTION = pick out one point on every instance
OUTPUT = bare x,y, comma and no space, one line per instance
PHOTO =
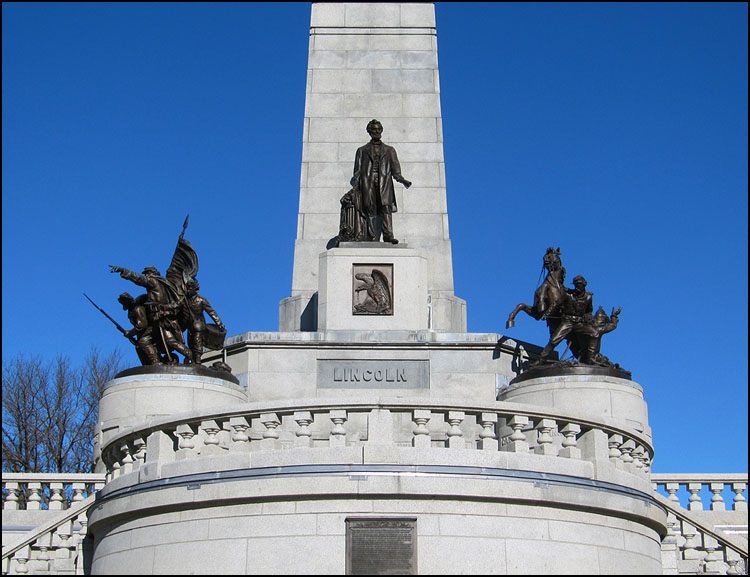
126,461
106,458
695,503
271,435
139,456
455,434
669,547
114,470
62,536
338,432
717,501
109,459
679,537
34,502
672,489
545,443
21,557
570,448
740,503
714,559
11,499
78,490
304,435
240,438
43,544
646,460
627,449
690,550
488,436
83,521
211,428
615,454
637,455
518,442
211,443
186,433
734,561
56,497
422,438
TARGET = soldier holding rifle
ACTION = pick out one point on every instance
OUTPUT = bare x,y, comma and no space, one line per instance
162,313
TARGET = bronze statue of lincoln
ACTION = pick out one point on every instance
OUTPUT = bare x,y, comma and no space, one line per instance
376,166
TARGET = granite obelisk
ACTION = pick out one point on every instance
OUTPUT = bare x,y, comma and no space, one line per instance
373,61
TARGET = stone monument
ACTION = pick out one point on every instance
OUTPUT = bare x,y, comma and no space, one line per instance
374,61
372,433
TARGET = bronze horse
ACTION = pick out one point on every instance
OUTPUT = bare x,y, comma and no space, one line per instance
548,296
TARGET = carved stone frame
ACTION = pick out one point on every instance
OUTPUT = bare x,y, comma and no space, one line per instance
362,302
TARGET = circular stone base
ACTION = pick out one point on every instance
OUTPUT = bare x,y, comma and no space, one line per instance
565,368
591,392
194,370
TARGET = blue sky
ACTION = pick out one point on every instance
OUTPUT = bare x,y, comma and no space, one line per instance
615,131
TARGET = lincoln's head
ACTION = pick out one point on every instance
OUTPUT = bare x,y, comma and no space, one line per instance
375,129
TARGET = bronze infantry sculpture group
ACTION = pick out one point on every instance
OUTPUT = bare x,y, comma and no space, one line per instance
170,306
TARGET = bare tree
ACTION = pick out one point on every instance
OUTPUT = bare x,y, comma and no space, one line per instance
50,412
23,383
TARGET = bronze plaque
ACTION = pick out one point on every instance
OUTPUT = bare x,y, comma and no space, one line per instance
381,546
372,289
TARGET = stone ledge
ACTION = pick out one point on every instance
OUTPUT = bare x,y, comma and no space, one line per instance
373,481
178,370
567,370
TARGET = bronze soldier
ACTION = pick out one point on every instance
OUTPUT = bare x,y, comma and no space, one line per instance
376,166
196,326
142,329
572,309
591,333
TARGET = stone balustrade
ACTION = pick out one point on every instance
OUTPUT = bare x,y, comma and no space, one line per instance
674,486
421,423
53,547
693,547
47,491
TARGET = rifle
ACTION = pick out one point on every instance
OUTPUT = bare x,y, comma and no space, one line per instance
122,330
154,308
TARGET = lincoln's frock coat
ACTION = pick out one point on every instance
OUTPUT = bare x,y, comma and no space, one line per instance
376,201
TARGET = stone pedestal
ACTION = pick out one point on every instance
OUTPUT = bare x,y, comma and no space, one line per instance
295,365
601,396
142,393
344,302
